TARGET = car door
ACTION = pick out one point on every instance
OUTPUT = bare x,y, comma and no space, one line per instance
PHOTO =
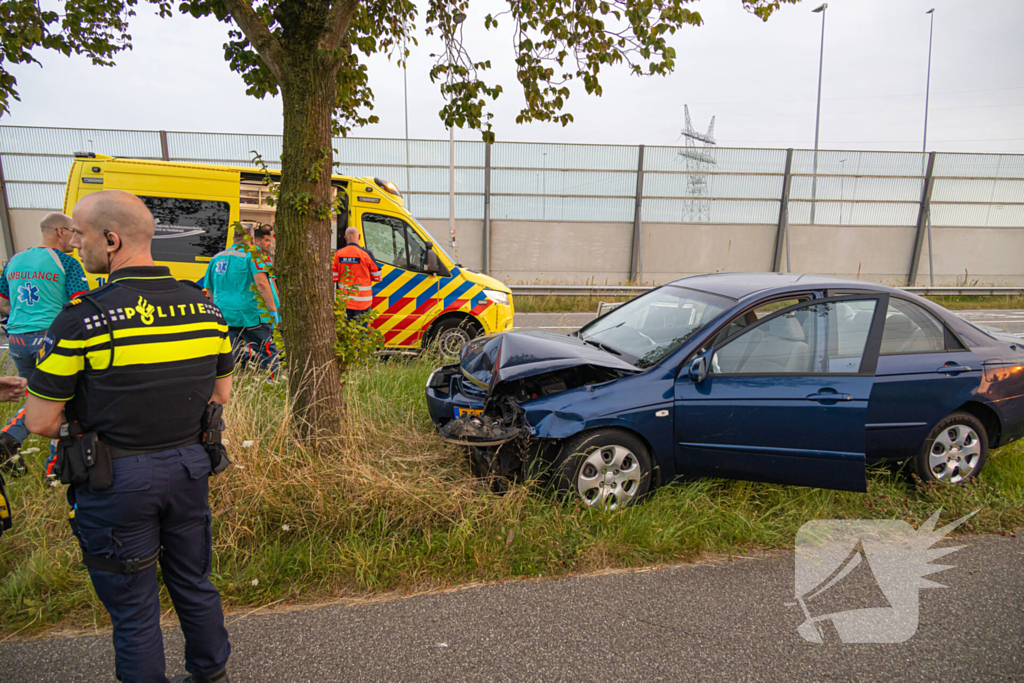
406,297
924,373
785,399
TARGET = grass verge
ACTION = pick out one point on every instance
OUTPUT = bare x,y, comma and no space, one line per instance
394,509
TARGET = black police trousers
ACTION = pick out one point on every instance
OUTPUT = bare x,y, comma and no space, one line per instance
158,500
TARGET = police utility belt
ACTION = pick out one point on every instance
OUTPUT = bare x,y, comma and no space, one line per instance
85,458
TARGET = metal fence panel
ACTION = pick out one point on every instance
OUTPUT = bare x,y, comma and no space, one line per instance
980,165
30,196
978,190
51,169
718,212
235,150
533,208
860,163
569,157
679,185
509,181
67,141
723,160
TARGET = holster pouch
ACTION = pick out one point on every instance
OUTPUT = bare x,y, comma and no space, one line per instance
5,507
82,458
213,427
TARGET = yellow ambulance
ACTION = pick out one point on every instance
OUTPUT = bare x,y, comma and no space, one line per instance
423,295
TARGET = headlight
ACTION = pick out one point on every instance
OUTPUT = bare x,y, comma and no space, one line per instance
500,298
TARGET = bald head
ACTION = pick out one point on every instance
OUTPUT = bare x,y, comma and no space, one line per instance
118,212
112,226
352,235
56,229
53,221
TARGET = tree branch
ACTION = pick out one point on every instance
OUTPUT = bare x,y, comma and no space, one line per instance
263,41
338,22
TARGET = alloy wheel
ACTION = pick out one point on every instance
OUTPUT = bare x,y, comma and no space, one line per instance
609,477
955,454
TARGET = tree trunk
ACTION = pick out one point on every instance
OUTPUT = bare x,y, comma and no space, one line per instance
304,247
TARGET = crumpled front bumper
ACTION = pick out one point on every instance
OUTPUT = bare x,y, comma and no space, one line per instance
445,395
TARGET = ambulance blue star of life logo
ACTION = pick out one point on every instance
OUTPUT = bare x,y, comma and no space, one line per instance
28,294
876,566
221,267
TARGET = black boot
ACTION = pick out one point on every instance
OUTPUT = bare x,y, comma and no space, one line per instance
219,677
11,461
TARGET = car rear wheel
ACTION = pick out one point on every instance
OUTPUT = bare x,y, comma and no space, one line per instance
451,335
955,451
606,468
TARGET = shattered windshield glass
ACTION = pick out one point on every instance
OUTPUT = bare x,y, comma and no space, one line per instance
648,328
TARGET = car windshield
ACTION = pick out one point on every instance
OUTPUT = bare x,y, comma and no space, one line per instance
648,328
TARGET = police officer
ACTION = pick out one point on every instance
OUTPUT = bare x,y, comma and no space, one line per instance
132,366
354,266
34,287
229,281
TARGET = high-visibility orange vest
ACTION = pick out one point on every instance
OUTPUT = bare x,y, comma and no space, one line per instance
353,265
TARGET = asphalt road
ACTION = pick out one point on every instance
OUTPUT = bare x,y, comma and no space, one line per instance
719,620
1009,321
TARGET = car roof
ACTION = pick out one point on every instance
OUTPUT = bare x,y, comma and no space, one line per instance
740,285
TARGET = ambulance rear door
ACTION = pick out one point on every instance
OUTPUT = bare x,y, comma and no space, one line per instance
194,208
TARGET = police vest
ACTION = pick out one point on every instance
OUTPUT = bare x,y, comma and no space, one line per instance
136,360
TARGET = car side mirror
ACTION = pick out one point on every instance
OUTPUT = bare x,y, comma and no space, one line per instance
699,369
434,265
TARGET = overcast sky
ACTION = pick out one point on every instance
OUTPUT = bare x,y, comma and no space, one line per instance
758,79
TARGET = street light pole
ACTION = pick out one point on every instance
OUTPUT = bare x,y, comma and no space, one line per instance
817,116
405,87
457,19
924,146
842,189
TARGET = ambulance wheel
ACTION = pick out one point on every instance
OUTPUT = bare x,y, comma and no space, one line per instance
452,334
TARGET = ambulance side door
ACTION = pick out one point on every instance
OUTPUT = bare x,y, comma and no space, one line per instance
406,297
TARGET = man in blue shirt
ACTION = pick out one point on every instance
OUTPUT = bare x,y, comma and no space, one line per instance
229,282
35,286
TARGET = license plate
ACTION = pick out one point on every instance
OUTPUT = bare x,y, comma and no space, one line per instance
462,412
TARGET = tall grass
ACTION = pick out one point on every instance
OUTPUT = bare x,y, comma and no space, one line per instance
394,510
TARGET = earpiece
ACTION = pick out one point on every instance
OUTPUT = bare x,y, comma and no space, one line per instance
110,242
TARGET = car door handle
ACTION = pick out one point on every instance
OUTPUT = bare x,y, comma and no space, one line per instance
829,396
953,368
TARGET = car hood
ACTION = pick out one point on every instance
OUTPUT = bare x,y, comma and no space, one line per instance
509,356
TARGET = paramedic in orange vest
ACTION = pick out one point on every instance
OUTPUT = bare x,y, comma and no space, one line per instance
355,266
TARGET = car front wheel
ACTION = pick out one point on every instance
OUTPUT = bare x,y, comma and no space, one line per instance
606,468
955,451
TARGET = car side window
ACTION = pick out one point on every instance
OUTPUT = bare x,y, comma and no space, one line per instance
909,328
753,315
385,237
819,338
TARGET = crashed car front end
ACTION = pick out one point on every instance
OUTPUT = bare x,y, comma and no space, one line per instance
496,400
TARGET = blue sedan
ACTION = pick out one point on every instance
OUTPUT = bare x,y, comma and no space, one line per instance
792,379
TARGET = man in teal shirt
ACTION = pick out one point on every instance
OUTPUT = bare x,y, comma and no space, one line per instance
35,286
263,237
229,281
